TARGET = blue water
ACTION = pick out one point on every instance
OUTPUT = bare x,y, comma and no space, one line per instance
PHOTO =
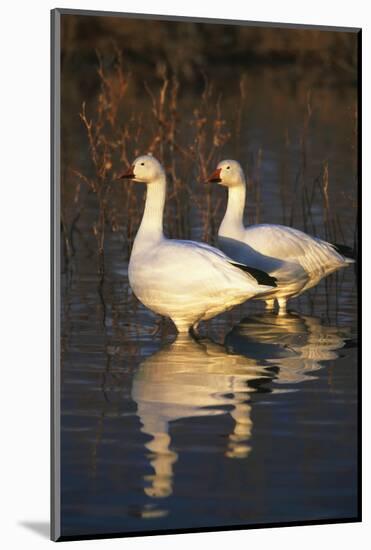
256,422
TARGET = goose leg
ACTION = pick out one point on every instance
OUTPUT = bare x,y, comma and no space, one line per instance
182,326
282,306
195,327
194,330
269,304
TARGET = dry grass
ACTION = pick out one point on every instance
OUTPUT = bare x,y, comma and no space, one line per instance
188,141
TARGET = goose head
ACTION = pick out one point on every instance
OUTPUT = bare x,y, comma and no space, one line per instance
145,169
228,173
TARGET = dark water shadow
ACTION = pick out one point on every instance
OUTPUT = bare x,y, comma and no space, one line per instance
42,528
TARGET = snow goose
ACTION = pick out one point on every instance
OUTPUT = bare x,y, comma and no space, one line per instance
297,260
184,280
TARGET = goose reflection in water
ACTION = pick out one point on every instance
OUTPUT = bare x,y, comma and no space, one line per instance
191,378
295,343
187,379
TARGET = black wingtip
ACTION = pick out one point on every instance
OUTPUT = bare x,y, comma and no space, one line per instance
345,251
261,276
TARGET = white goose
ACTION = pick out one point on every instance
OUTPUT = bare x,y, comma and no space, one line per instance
184,280
297,260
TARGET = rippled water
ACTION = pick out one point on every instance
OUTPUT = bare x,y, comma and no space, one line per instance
254,423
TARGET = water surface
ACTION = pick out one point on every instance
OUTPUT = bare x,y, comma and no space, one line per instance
253,423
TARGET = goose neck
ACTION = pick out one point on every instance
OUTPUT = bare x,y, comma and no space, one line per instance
233,218
151,227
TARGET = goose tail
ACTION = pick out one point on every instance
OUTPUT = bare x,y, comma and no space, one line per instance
347,252
262,278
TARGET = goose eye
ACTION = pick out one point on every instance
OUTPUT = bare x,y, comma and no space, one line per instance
142,163
228,167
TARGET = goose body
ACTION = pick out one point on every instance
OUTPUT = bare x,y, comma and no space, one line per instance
184,280
298,261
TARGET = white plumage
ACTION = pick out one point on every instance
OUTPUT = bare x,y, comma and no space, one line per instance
184,280
297,260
